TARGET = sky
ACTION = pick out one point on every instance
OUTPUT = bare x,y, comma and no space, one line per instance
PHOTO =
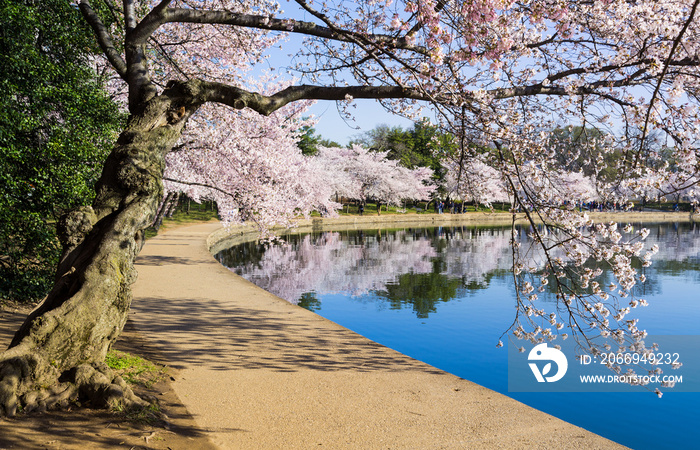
331,125
367,114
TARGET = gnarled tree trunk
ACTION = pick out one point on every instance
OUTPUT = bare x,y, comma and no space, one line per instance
58,353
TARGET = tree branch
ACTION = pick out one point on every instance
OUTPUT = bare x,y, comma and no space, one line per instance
361,41
193,183
676,42
161,6
539,89
104,40
239,98
159,16
129,16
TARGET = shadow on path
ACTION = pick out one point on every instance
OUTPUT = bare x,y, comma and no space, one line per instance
233,337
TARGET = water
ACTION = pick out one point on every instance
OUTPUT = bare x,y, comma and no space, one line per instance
445,296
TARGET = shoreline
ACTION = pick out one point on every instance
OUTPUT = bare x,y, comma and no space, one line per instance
453,413
241,233
258,372
226,237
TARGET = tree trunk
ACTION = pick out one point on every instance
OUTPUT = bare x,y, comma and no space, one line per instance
58,353
158,221
172,207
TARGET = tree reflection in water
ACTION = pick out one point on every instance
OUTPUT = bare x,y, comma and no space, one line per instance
417,267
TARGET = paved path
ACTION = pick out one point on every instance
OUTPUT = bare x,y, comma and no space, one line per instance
257,372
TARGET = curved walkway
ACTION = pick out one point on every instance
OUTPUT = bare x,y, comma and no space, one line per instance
260,373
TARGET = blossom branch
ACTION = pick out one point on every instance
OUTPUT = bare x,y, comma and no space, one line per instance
662,76
240,98
158,17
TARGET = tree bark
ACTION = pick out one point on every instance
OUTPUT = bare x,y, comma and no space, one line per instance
158,221
57,355
174,202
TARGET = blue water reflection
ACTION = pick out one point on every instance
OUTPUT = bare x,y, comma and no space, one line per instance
445,296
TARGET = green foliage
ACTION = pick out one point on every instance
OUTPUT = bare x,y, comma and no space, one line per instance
423,146
140,372
119,360
56,127
309,141
578,149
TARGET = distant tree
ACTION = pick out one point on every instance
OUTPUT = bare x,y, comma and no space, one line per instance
57,126
362,174
310,141
384,138
422,146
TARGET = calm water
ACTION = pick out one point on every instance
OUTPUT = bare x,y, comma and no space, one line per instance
445,296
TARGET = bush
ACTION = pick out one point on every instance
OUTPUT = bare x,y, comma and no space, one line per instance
57,125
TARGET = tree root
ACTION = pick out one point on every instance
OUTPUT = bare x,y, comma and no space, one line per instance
94,385
103,389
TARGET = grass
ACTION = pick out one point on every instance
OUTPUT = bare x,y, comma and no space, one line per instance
181,217
141,373
206,211
188,212
150,414
664,206
134,369
419,208
197,213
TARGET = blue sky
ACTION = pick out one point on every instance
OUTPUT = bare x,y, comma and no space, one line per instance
331,125
367,113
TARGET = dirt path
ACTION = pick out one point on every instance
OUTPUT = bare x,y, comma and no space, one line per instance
257,372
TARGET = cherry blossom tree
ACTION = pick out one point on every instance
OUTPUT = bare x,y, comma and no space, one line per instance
250,165
679,187
364,174
474,180
509,71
